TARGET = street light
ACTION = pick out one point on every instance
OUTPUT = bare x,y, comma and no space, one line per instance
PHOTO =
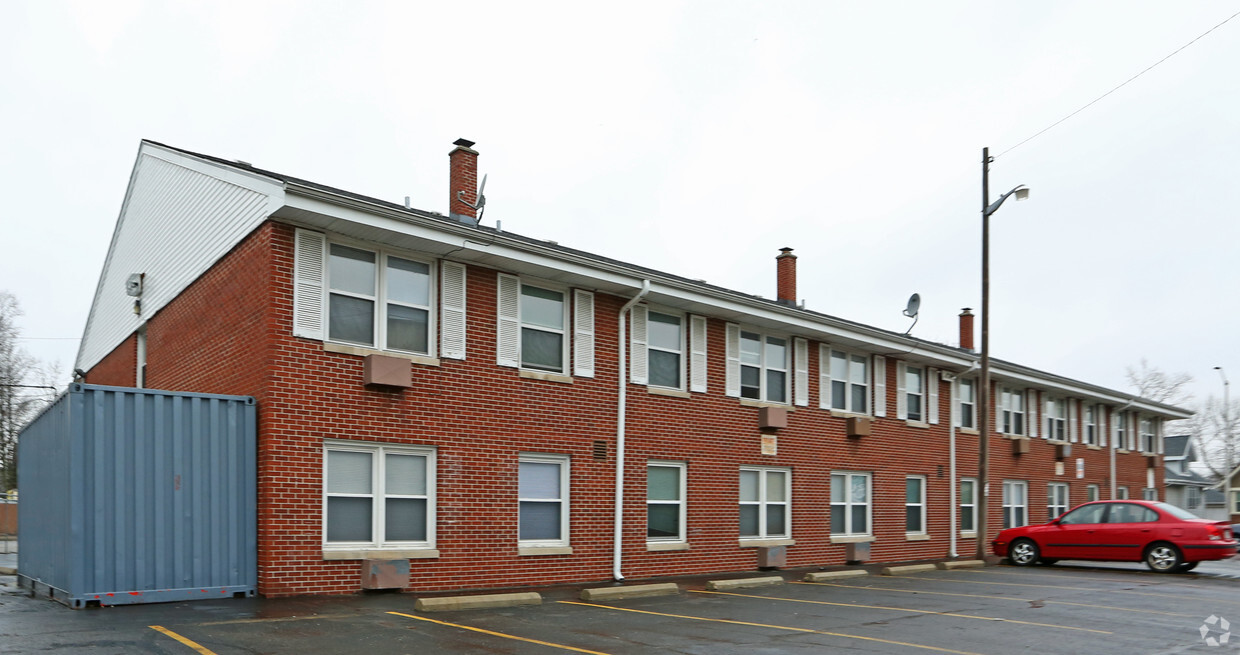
983,448
1228,446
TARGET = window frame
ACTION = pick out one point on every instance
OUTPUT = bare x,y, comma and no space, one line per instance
1009,413
1092,492
968,506
1149,493
681,502
1057,419
1090,420
1121,430
378,453
564,462
1148,435
850,504
1121,492
763,502
764,367
1052,505
1192,497
380,299
565,331
849,385
920,505
922,409
1023,506
681,359
971,384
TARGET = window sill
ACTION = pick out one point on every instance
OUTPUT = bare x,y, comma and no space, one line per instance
1091,447
548,377
917,424
362,352
375,553
839,413
750,402
967,431
666,546
528,551
968,535
1122,451
759,543
916,536
852,539
673,393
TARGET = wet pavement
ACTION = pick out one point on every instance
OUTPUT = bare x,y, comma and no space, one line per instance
1073,607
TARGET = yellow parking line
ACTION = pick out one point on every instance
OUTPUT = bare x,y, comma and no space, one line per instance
989,596
201,650
499,634
1047,586
915,611
773,627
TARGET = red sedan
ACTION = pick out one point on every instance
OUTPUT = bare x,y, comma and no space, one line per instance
1167,538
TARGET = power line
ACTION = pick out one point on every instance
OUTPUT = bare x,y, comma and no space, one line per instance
1089,104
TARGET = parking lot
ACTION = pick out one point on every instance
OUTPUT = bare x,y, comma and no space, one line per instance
1071,608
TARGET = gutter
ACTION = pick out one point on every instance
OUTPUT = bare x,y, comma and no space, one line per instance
618,528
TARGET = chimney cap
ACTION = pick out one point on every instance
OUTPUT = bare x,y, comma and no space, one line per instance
967,311
786,251
464,143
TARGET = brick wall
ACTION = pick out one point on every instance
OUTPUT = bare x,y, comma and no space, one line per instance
231,332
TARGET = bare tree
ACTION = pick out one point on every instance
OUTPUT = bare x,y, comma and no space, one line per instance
19,397
1216,429
1155,384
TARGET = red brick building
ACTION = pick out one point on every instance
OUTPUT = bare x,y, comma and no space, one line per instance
503,411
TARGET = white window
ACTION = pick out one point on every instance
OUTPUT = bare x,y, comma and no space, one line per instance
1091,425
665,502
763,367
915,504
1121,430
1015,503
1149,435
378,300
968,505
765,495
850,503
665,350
543,316
967,391
378,496
1012,409
915,393
1149,494
1056,499
1056,419
1121,493
1091,493
849,381
542,491
1192,497
1235,501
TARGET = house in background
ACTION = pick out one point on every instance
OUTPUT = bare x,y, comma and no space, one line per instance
1185,487
437,393
1230,487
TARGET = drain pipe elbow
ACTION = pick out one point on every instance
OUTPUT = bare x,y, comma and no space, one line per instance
622,398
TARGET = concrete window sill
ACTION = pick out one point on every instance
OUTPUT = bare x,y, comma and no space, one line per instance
916,536
534,551
548,377
362,352
671,393
663,546
374,553
853,539
759,543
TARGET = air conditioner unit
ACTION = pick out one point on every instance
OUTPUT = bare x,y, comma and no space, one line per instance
858,426
1020,446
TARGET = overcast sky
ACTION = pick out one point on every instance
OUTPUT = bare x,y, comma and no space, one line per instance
694,138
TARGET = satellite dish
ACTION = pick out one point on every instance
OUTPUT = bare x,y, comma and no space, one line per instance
482,199
914,304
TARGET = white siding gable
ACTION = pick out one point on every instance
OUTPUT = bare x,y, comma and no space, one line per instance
180,215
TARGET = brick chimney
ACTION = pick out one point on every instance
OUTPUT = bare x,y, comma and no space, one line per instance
463,177
786,271
966,329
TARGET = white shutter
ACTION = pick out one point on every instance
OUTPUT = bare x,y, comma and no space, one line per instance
1031,418
824,376
1100,412
901,391
452,310
1158,435
1073,431
508,331
638,340
732,380
309,278
880,385
800,367
1046,411
953,402
932,393
1113,424
697,354
583,333
999,408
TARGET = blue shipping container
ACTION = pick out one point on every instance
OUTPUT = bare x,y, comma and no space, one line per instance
138,496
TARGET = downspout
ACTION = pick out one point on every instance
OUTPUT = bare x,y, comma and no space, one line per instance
620,413
1115,446
951,468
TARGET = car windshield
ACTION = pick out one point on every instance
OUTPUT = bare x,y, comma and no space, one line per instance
1176,511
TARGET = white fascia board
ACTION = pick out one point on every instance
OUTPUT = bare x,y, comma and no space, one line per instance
1090,392
255,182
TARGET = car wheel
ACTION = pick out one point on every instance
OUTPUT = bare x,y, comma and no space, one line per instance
1188,566
1163,557
1023,552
